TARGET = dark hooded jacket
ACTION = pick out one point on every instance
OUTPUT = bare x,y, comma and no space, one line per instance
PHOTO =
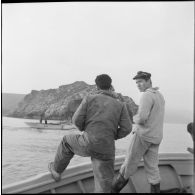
102,118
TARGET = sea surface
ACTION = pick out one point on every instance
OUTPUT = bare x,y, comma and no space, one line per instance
27,151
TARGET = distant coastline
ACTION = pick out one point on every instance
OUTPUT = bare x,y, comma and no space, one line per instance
168,119
11,100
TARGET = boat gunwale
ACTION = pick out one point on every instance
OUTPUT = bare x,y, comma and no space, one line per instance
86,169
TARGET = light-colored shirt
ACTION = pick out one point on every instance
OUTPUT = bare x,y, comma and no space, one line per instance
150,117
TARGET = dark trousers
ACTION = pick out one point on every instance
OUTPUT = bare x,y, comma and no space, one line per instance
74,144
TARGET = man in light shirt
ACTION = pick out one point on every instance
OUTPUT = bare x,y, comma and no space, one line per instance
146,136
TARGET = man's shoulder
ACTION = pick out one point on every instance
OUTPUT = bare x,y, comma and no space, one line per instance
91,97
101,96
151,93
148,96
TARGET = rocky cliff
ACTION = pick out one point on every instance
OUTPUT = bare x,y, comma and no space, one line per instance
60,103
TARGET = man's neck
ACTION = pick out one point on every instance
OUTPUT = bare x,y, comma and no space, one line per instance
148,88
103,89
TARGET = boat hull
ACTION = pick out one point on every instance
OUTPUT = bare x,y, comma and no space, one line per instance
51,126
176,171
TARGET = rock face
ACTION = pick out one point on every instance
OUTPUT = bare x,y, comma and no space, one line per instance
60,103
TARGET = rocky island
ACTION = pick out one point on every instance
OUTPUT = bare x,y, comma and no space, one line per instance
60,103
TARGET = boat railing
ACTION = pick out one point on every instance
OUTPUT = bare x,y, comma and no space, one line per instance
78,173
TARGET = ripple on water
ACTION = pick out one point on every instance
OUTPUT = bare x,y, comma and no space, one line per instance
26,152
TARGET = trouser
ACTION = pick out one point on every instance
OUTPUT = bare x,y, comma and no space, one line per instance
140,148
103,169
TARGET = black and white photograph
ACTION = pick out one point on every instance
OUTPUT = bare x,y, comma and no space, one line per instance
97,97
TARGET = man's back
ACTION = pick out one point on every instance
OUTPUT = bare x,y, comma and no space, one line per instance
103,114
152,105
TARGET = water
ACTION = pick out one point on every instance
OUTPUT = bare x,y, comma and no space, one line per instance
27,151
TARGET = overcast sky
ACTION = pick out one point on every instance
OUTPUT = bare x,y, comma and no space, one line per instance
45,45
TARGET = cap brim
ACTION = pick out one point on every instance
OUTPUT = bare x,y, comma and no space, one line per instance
138,77
141,77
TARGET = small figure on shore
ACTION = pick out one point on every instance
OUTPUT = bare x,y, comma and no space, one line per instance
41,119
145,137
42,116
102,119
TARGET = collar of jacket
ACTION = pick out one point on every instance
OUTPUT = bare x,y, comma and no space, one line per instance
153,89
107,92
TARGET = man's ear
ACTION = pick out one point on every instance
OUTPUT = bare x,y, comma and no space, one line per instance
111,88
148,81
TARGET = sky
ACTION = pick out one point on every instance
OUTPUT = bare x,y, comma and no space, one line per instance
45,45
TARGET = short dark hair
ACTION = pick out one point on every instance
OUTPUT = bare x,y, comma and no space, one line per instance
103,81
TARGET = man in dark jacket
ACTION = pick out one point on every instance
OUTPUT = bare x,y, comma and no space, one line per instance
190,130
101,118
